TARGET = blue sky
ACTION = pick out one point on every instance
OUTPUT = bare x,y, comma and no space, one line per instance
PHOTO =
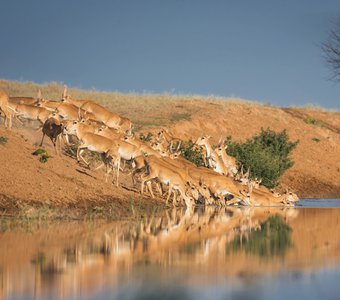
259,50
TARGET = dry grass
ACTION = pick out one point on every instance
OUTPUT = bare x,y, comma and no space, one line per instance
145,110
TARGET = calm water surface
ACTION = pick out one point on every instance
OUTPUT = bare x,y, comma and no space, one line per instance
206,253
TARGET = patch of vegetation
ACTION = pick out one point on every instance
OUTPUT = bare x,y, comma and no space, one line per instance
43,154
147,137
180,117
316,140
89,156
266,154
273,239
192,153
71,149
149,123
3,140
312,121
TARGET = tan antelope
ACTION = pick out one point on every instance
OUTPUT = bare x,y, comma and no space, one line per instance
48,104
4,109
219,185
125,150
109,118
228,161
109,133
90,141
243,178
143,146
214,161
23,100
30,112
160,147
180,169
67,111
112,162
156,169
99,113
26,100
65,98
184,167
264,197
164,136
94,142
125,125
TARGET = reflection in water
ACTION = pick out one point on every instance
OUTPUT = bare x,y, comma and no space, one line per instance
271,238
234,252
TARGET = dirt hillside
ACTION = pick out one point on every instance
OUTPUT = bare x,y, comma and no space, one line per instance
316,171
60,181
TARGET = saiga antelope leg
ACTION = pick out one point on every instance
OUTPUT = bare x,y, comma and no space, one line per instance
80,156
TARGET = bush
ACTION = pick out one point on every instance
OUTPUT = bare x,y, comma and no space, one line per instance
3,140
266,154
43,154
312,121
191,153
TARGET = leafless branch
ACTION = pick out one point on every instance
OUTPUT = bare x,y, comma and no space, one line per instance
331,50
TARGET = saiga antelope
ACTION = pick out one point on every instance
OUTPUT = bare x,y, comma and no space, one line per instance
228,161
155,169
94,142
67,99
213,159
53,129
4,109
29,112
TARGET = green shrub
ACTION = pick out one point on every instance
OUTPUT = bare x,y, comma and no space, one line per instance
43,154
192,153
3,140
266,154
315,140
44,157
180,117
312,121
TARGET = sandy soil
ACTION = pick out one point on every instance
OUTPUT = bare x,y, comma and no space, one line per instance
61,182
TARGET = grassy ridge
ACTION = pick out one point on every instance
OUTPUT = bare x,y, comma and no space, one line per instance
142,109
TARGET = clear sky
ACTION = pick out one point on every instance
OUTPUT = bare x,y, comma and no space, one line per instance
263,50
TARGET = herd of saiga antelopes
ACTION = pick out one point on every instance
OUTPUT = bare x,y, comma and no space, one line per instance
100,130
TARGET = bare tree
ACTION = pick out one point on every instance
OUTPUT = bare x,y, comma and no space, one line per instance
331,50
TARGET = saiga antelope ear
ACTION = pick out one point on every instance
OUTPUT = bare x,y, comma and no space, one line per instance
39,95
248,173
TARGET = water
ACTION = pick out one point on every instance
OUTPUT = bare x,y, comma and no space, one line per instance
206,253
326,203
